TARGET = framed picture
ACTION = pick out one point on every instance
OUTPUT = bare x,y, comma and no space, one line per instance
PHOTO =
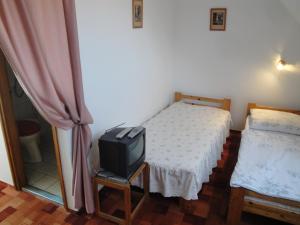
137,13
218,19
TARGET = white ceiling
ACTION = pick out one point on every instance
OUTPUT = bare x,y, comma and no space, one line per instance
293,6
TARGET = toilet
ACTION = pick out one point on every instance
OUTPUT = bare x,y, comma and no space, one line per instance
29,135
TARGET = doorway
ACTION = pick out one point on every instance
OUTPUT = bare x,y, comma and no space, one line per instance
31,142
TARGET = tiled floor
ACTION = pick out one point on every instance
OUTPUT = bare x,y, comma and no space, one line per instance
18,208
43,175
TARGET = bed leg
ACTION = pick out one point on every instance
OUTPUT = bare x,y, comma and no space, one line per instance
186,205
236,203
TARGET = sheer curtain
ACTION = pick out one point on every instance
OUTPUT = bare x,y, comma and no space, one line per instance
39,39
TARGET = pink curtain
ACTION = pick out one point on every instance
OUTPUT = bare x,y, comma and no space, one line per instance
39,39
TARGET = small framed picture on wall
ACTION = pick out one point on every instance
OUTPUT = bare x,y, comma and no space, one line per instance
218,19
137,13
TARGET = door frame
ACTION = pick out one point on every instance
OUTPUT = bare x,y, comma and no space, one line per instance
11,137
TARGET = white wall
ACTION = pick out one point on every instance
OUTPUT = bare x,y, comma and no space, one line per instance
126,72
5,174
237,63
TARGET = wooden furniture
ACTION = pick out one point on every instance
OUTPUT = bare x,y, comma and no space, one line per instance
125,187
242,199
220,103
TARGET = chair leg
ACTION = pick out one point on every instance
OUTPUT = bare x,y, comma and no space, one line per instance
146,177
236,203
127,200
96,197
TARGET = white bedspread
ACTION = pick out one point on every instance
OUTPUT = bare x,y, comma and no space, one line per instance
269,163
183,144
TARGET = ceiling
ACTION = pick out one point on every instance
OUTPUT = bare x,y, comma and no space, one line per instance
293,6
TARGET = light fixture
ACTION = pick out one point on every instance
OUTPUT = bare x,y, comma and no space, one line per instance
280,64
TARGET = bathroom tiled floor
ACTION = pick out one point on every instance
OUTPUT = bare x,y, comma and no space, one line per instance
43,175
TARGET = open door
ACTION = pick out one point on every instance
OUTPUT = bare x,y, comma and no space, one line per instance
11,136
10,129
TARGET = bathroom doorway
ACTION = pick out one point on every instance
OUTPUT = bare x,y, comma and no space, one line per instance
31,141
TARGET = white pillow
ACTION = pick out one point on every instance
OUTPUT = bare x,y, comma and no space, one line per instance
271,120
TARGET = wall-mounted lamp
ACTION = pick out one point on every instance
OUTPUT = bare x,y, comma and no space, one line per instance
280,64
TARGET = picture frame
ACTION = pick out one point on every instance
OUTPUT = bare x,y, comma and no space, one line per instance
218,18
137,13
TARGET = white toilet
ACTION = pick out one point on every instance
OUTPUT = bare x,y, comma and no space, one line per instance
29,134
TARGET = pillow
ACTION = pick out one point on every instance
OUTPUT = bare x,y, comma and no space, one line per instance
271,120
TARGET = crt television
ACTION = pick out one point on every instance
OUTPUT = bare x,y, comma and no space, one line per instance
122,156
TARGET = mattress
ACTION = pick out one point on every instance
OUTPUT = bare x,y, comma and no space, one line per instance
183,144
269,164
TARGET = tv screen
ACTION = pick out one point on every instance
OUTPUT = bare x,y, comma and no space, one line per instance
122,156
136,150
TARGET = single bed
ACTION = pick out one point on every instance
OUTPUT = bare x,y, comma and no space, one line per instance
266,179
184,143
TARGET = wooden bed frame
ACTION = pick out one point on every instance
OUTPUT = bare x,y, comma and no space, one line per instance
222,103
187,205
241,199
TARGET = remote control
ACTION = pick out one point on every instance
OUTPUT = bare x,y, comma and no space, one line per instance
135,132
123,133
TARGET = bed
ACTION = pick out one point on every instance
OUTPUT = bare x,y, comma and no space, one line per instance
266,179
184,143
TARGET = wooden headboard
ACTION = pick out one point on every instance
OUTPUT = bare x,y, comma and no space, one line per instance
255,106
223,103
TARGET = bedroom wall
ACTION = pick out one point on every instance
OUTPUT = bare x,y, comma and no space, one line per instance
238,63
126,72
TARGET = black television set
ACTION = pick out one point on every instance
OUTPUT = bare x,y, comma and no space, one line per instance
122,156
